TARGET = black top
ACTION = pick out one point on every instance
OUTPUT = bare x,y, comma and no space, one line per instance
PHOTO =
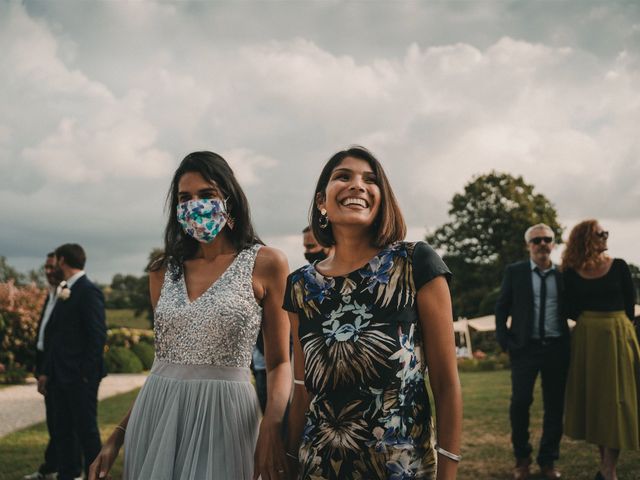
613,291
361,336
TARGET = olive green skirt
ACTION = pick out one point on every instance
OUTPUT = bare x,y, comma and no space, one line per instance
603,387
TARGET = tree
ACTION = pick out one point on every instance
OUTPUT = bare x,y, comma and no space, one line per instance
7,272
485,234
635,276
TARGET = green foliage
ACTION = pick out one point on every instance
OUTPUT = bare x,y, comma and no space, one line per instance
485,234
14,375
19,314
127,337
488,364
126,317
7,273
145,353
635,276
122,360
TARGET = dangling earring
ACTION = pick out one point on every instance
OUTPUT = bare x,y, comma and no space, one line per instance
231,222
323,221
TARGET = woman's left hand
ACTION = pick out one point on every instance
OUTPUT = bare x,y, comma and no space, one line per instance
269,460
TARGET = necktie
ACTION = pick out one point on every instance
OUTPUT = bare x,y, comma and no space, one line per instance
543,300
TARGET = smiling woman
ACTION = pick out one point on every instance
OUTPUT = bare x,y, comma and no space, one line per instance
366,323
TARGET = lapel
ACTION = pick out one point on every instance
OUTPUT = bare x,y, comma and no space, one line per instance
526,272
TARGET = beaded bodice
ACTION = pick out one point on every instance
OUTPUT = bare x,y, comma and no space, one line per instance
218,328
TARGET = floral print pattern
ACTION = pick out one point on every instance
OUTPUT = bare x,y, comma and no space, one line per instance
202,219
369,417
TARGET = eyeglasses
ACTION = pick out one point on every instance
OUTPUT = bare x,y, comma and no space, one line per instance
539,240
603,234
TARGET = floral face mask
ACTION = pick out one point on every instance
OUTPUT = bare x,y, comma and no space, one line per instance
202,219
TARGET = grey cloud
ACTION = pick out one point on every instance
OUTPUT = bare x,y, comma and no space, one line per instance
438,92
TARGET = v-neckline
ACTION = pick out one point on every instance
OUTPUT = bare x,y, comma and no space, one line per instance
210,287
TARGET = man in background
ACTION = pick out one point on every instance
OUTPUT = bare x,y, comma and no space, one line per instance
313,251
49,469
73,366
537,342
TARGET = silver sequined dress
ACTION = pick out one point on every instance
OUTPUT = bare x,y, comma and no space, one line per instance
197,414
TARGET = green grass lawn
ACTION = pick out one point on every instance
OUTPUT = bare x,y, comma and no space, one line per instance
125,317
22,452
486,436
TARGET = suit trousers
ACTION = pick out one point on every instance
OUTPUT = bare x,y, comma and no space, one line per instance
50,464
75,420
551,359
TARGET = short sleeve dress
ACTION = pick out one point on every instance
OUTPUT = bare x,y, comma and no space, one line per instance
369,417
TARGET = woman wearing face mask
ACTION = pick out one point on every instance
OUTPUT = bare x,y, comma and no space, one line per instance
603,389
366,323
197,416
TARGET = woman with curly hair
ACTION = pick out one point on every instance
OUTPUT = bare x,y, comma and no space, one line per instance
603,389
366,321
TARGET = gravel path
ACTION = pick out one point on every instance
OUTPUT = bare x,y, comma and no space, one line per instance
22,405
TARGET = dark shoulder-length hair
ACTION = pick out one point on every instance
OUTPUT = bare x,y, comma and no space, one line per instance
582,247
389,225
178,246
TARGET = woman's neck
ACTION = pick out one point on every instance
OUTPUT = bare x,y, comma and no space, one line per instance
352,248
221,245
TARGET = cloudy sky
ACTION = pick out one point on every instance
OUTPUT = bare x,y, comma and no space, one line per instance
100,102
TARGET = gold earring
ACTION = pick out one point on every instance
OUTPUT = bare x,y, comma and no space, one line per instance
323,221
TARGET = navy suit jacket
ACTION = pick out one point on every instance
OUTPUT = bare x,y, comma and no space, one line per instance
75,336
516,300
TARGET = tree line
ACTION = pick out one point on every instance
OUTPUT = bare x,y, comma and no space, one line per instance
485,233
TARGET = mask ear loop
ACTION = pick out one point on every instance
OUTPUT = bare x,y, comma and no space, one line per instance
230,220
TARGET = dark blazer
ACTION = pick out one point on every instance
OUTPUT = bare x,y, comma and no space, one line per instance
516,300
40,354
75,336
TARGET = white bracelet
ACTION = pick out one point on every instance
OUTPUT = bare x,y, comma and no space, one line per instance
120,427
448,454
298,382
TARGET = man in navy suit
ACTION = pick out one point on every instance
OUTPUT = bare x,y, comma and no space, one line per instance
537,342
73,367
49,468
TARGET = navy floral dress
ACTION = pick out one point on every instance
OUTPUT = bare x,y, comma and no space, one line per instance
369,416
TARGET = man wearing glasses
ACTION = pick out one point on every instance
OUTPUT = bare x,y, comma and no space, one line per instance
538,342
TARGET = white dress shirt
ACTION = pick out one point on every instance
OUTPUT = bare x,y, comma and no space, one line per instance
51,302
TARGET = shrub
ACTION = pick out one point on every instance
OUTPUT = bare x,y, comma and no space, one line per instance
19,315
127,337
145,353
15,375
122,360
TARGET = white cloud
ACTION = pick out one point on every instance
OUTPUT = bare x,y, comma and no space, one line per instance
87,112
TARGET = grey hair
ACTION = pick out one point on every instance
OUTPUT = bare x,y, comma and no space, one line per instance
527,234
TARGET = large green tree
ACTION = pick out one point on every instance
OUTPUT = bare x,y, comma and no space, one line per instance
485,233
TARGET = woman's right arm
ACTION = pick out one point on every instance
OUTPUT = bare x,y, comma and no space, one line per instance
104,461
300,401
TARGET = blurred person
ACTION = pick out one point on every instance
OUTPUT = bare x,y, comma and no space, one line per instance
48,470
74,339
537,343
313,251
603,389
197,415
366,323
